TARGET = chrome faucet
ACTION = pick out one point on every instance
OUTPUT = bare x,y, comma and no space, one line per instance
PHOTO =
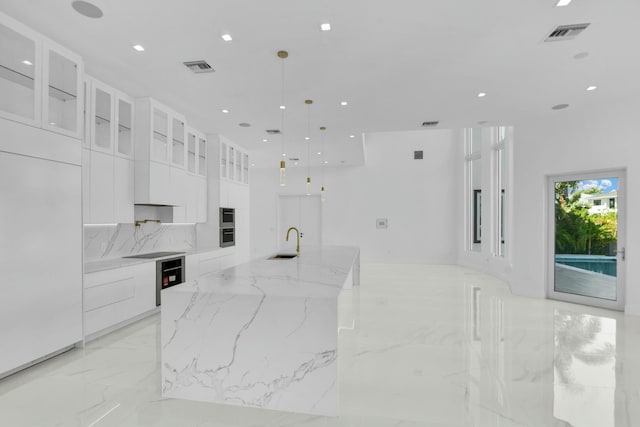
298,240
144,221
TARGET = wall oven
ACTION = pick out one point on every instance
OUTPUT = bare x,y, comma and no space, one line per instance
227,217
169,272
227,227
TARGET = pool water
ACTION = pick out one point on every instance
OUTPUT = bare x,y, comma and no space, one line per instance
596,263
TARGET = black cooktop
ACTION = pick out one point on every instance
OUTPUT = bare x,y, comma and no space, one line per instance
154,255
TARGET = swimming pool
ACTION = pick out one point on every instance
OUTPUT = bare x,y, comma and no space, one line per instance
596,263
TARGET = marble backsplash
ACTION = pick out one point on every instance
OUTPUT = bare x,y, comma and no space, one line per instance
118,240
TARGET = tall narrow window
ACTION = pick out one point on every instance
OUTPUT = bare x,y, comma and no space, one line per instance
474,188
500,191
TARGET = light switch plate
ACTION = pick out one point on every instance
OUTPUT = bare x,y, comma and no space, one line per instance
382,223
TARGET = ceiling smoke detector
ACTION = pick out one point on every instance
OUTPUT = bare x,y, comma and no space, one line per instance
566,32
199,66
430,124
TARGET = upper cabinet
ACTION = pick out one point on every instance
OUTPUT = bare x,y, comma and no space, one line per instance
178,146
20,72
161,134
110,124
234,163
40,81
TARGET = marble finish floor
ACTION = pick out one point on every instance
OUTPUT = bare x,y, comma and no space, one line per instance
438,346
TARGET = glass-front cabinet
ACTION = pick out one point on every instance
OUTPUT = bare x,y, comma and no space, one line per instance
191,152
20,72
234,163
62,96
102,118
177,142
160,129
40,81
124,128
202,156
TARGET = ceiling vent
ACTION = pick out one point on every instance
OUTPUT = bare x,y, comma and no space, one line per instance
566,32
294,159
273,131
199,66
429,124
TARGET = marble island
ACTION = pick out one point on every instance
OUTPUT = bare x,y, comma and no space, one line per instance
262,334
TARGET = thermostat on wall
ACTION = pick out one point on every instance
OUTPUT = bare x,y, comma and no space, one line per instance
381,223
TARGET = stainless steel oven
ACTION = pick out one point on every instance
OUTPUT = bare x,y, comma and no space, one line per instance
227,217
169,272
227,237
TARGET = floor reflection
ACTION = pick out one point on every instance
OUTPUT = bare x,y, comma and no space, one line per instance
584,369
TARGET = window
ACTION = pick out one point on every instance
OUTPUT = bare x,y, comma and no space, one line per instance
612,203
597,202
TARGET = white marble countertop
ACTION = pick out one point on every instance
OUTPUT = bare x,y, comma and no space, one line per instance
318,272
111,263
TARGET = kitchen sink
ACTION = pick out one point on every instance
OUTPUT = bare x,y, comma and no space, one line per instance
283,256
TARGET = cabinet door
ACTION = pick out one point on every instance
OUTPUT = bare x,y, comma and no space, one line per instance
101,121
62,94
178,183
202,156
160,135
238,162
20,72
245,168
178,148
101,189
192,198
202,198
223,160
191,152
123,190
124,126
160,184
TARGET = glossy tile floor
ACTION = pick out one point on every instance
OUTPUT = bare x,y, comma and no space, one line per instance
419,346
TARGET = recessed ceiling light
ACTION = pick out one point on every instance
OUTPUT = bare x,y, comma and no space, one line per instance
325,27
226,37
306,138
482,94
253,164
87,9
282,107
326,161
138,47
352,136
590,88
27,62
52,123
265,140
563,3
224,110
560,107
284,154
319,152
343,103
296,163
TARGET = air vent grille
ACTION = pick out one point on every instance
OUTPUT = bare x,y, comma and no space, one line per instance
199,66
430,124
273,131
566,32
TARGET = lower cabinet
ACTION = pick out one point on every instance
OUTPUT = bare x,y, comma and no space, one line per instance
112,297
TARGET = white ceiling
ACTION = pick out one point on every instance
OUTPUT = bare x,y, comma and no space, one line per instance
397,63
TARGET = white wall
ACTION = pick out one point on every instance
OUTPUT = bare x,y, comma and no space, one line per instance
420,199
567,141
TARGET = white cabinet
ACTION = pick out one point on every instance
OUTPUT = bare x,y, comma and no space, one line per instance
40,81
109,168
113,297
195,190
234,163
160,155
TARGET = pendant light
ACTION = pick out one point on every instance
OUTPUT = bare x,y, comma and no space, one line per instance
308,138
322,193
283,54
